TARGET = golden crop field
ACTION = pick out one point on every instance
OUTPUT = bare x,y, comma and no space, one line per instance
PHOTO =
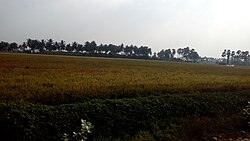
64,79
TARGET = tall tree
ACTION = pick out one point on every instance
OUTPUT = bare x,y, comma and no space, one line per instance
173,53
100,48
185,53
228,55
154,56
144,51
106,49
179,51
74,46
62,45
33,44
238,56
49,45
68,48
79,48
161,54
23,47
42,46
90,47
4,46
232,56
12,46
128,50
224,53
245,56
56,46
193,55
167,54
120,48
136,51
164,54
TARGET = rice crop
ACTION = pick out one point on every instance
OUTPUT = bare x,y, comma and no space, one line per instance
66,79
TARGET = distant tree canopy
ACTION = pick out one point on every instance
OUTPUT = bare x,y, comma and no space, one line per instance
106,50
37,46
236,58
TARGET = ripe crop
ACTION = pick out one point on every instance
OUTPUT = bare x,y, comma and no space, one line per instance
64,79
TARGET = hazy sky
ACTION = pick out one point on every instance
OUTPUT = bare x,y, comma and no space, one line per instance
209,26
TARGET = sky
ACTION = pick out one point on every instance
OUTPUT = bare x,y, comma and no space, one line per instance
208,26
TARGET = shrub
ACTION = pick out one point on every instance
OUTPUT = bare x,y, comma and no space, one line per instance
86,128
117,118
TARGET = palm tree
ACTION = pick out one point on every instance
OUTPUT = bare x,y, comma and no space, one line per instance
233,56
228,55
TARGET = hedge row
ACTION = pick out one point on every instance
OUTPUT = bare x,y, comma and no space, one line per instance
112,118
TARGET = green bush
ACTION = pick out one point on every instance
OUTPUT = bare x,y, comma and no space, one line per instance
160,116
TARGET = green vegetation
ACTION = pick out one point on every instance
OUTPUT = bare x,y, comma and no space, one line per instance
43,96
104,50
161,117
186,54
236,58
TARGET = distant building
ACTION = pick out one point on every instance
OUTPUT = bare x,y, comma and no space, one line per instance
208,60
35,51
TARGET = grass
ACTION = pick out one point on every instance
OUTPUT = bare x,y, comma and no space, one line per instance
42,78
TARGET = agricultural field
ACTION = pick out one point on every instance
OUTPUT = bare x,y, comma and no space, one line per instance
44,96
62,79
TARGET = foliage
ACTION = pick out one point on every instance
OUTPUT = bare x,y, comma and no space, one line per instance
82,134
89,48
160,116
92,49
188,54
236,58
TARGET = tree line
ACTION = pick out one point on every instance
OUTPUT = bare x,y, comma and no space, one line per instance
185,54
105,50
91,48
124,51
236,57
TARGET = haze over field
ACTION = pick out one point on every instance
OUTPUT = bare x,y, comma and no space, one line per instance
209,26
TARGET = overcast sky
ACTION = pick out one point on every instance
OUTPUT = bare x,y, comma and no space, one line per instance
209,26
